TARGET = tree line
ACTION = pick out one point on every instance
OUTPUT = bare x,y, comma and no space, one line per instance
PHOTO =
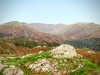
32,43
93,43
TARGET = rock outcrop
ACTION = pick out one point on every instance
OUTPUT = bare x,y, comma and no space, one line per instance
2,67
64,50
51,65
44,65
12,70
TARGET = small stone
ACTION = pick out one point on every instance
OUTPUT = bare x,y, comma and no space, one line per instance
40,52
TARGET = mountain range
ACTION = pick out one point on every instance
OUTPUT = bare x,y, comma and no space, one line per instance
17,29
50,32
80,30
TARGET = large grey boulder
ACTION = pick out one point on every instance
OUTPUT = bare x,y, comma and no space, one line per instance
64,50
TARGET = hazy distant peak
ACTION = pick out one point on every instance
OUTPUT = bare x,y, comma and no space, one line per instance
83,23
72,31
60,24
91,23
15,23
40,24
79,23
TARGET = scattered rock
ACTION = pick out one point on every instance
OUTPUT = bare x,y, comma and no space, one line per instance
2,66
44,65
2,59
24,56
60,73
79,56
90,52
44,46
11,57
38,46
79,66
40,52
12,70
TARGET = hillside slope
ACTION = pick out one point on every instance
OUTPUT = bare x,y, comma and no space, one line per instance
48,28
81,30
42,27
16,29
59,32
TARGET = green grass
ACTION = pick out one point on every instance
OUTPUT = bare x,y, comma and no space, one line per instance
68,63
1,73
88,69
72,63
33,58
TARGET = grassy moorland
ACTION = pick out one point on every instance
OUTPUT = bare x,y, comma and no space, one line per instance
90,66
23,56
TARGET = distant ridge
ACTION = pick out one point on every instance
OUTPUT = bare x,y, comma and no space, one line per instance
40,31
17,29
80,30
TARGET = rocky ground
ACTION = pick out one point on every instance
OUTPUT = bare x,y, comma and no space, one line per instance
62,60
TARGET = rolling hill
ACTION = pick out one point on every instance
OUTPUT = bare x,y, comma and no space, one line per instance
17,29
80,30
40,31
